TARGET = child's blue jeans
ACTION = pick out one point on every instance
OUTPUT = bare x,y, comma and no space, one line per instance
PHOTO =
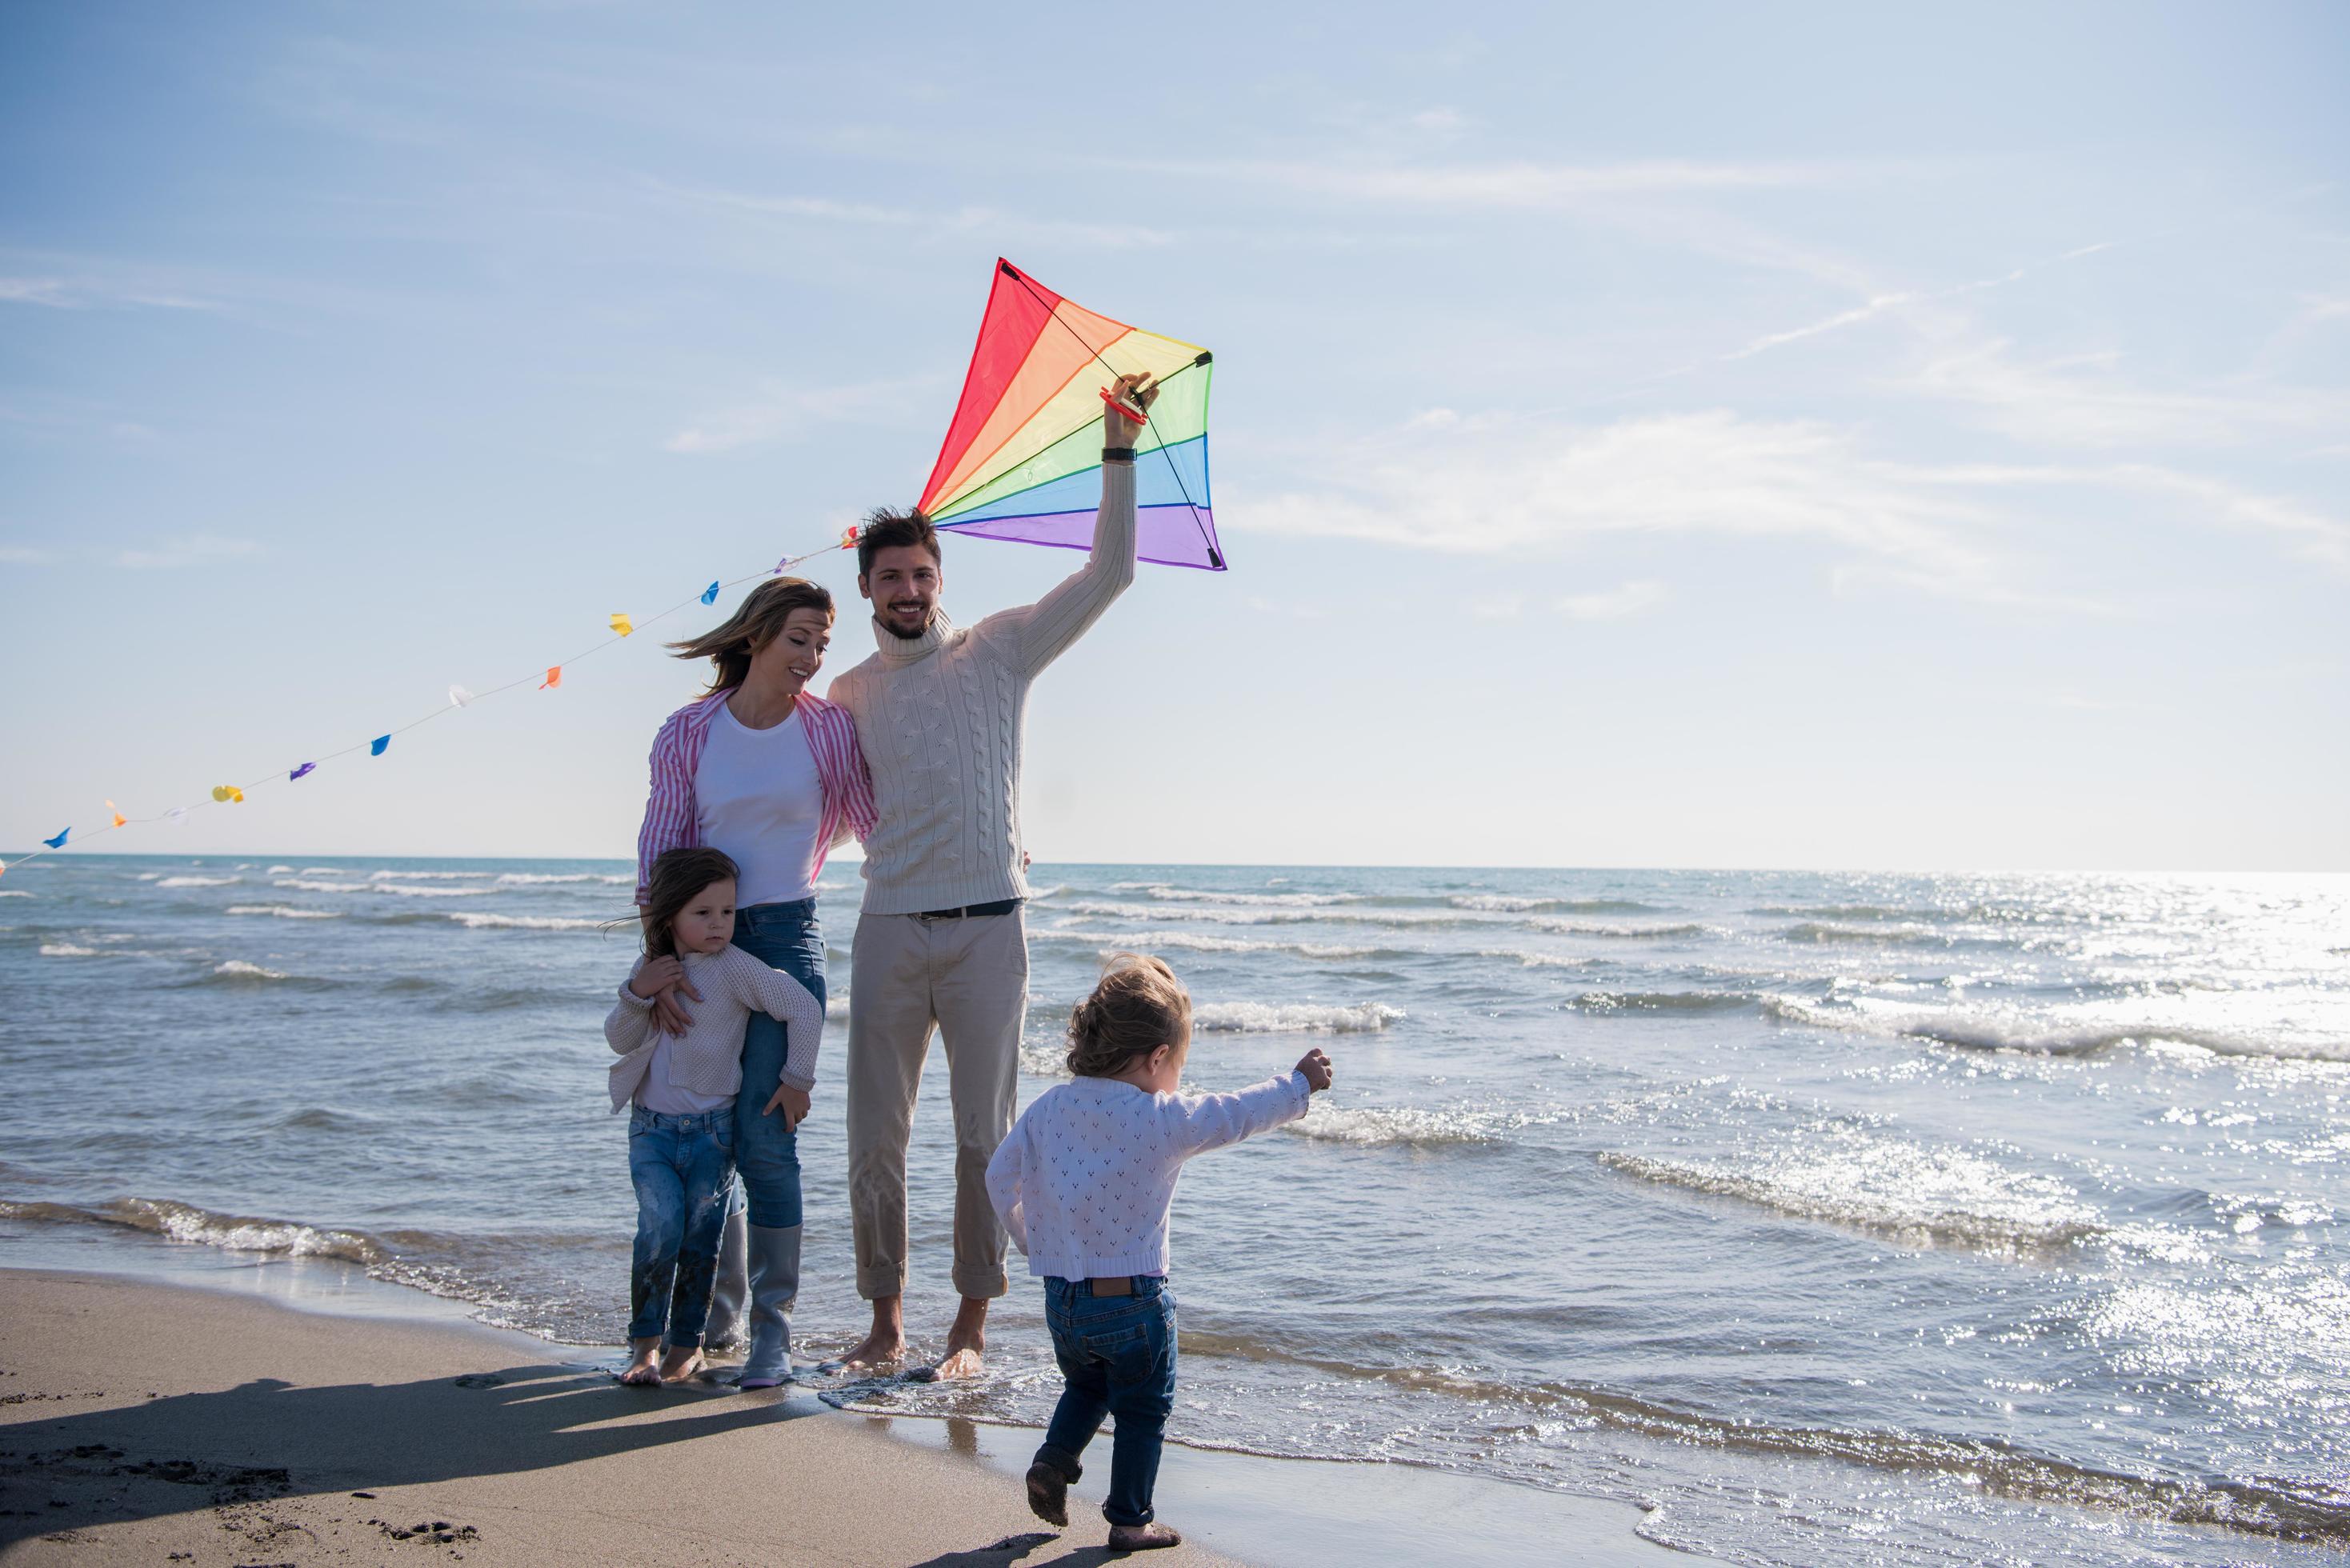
1118,1359
682,1167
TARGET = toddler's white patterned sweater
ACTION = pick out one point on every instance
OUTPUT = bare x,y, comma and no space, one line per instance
1085,1181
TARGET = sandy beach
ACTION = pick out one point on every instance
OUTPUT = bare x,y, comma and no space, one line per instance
141,1422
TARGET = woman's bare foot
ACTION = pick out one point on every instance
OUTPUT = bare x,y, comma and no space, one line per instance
641,1371
1142,1537
681,1362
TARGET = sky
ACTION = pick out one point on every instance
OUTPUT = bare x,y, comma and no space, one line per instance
1695,436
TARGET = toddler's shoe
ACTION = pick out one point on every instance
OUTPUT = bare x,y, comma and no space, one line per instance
1141,1537
1048,1493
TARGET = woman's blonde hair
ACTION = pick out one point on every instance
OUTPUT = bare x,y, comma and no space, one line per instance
1138,1006
756,622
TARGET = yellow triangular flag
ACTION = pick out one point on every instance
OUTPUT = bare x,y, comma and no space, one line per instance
623,625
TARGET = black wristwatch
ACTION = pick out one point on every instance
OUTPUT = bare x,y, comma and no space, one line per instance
1117,454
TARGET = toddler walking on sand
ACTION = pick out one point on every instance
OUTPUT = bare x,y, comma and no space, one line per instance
1084,1184
682,1089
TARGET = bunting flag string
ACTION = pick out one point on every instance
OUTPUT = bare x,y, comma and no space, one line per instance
550,678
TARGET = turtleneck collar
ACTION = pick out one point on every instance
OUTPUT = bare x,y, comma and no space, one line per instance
897,652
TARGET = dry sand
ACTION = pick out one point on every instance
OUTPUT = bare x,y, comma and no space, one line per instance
146,1423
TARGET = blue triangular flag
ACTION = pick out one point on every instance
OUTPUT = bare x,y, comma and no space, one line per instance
375,746
60,841
710,595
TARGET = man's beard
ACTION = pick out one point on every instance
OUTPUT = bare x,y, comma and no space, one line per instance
919,632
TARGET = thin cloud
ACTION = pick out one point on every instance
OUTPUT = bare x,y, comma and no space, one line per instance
1491,485
2085,401
1513,186
195,550
1882,303
1619,603
961,221
783,412
93,292
26,555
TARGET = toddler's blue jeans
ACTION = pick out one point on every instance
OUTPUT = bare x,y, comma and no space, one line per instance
1118,1359
682,1167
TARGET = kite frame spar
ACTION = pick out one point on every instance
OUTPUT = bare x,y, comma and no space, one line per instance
978,494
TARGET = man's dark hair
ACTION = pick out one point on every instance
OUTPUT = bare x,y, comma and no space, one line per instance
887,529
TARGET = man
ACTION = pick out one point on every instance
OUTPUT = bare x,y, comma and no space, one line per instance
941,942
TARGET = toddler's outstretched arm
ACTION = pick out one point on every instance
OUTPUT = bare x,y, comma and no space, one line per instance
1197,1123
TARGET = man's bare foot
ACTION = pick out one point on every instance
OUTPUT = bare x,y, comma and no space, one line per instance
681,1362
642,1373
1142,1537
885,1346
965,1341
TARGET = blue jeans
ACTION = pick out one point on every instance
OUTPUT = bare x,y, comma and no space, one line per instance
1118,1358
682,1167
783,937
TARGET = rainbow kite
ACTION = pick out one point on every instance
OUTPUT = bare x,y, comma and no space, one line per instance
1021,460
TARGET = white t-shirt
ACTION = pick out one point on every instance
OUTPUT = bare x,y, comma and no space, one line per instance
757,797
656,1093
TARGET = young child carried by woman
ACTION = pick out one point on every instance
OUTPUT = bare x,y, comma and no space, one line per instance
682,1091
1084,1184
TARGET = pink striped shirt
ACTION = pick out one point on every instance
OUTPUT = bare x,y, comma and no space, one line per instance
672,822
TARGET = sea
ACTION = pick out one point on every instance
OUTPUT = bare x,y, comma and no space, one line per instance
1828,1217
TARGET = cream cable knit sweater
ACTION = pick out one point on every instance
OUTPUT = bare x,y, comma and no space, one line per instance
940,719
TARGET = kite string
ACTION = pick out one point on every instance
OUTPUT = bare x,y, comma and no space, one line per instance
1185,490
278,776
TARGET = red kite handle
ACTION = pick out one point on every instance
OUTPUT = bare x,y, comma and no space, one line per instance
1134,411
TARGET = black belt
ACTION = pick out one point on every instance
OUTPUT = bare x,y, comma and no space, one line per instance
1001,907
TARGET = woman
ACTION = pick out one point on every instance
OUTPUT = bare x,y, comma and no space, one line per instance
773,777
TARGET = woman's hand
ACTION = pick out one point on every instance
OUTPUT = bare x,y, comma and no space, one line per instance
1316,1068
1138,390
657,976
794,1104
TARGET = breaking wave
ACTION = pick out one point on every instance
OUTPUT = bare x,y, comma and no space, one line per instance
481,922
1977,1032
1917,1195
1207,942
67,949
1508,904
404,889
197,881
284,911
185,1222
1268,917
239,971
430,876
1286,1018
1635,933
1374,1127
1694,1001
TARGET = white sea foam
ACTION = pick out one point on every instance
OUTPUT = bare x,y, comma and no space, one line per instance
1268,917
430,875
2079,1035
1375,1126
281,871
1291,1018
1634,933
1921,1195
198,881
284,911
237,969
149,876
1202,896
532,879
472,921
1196,941
13,893
404,889
67,949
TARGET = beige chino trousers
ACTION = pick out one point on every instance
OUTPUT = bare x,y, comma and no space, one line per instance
968,979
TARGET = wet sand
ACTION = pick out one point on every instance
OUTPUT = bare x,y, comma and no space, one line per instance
140,1421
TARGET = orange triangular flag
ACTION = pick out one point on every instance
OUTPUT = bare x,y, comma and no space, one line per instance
553,678
119,820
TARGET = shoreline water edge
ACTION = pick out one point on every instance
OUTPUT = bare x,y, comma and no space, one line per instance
1787,1217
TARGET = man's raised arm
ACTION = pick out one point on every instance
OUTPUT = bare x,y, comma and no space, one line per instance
1049,626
